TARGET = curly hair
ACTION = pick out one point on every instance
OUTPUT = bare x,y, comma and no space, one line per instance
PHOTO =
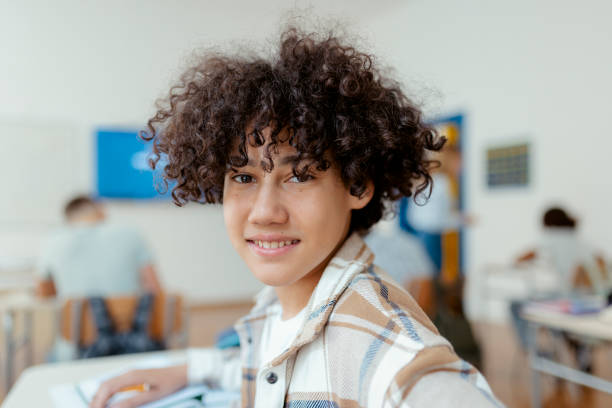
337,108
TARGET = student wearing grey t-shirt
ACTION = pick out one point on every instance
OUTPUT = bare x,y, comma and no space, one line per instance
89,257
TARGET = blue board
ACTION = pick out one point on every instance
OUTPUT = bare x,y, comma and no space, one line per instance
122,166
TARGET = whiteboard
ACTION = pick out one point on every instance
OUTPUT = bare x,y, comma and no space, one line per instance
39,171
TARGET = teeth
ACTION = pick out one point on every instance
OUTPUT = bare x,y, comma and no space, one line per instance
274,244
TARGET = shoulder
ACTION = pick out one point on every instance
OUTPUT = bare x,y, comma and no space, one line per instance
121,232
60,238
454,384
375,302
399,349
378,337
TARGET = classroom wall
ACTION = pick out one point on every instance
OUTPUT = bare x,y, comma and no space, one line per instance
71,66
519,70
525,70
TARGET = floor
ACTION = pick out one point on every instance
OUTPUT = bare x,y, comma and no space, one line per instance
505,366
506,369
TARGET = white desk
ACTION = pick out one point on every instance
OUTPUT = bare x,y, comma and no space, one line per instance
591,326
494,287
32,387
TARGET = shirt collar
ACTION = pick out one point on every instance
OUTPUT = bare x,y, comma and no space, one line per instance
351,259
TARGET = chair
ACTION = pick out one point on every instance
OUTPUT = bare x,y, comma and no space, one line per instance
168,319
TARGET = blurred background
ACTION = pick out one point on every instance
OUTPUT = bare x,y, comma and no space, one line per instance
521,88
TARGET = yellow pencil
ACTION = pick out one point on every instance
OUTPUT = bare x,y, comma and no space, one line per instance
138,387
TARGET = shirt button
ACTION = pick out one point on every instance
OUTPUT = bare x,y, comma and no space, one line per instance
271,378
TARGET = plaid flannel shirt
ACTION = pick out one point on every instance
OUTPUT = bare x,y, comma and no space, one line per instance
364,343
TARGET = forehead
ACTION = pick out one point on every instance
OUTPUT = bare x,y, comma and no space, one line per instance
282,154
270,149
260,148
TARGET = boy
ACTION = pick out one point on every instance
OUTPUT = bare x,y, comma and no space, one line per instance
304,151
91,257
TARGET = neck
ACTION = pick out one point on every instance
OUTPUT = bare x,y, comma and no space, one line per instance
86,219
294,297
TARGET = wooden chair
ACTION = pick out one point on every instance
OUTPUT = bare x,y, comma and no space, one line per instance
168,319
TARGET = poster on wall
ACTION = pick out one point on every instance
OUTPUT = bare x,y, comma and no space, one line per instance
122,168
508,165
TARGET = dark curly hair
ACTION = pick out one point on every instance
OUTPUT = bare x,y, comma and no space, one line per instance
334,106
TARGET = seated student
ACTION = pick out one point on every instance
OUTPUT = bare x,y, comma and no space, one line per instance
578,266
90,257
404,258
304,150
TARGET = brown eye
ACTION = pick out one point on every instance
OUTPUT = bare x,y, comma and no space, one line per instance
242,178
301,179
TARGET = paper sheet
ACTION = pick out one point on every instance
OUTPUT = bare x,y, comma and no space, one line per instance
79,395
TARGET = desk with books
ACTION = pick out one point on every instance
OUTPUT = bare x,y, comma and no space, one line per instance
32,386
597,326
38,386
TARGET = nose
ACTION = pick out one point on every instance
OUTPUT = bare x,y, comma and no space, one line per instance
267,207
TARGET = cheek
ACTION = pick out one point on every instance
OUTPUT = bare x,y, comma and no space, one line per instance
325,214
232,216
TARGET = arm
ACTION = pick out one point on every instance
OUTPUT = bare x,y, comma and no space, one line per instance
148,279
149,282
527,256
437,378
45,288
220,367
443,389
216,366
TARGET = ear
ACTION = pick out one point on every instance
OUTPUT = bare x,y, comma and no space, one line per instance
357,203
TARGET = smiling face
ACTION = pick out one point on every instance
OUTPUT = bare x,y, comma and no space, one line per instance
286,229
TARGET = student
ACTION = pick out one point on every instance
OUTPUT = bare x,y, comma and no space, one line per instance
578,266
404,258
440,218
90,257
304,150
579,269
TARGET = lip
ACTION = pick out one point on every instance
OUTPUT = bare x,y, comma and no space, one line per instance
271,252
270,237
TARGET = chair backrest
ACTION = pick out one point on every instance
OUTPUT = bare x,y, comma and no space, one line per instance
77,325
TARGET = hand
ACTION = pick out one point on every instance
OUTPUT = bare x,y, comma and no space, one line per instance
161,381
469,220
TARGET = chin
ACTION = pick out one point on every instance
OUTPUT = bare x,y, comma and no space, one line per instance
273,276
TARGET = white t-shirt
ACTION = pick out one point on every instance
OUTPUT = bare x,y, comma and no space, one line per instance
278,334
564,251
